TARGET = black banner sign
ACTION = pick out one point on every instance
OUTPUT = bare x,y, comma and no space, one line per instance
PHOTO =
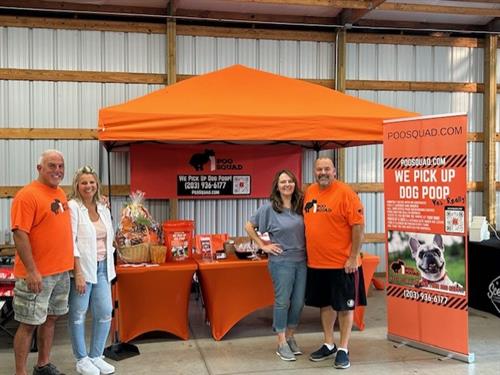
199,185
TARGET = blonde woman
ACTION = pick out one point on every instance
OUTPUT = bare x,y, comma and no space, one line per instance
93,271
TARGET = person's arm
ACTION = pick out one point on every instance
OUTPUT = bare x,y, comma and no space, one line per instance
351,264
78,276
23,248
77,268
272,248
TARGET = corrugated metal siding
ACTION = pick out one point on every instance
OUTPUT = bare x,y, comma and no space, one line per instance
62,104
198,55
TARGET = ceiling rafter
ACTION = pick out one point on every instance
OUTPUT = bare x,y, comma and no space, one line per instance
351,16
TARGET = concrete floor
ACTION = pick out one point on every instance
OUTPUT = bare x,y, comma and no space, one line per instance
249,348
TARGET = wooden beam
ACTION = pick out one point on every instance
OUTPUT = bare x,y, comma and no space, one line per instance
489,122
159,79
351,16
78,7
171,52
229,32
207,15
413,86
80,76
374,237
440,9
76,24
340,85
414,40
417,25
255,33
46,133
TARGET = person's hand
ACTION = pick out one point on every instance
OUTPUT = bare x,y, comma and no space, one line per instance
272,248
34,281
351,265
104,201
80,283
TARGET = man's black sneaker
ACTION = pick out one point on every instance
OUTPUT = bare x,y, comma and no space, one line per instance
342,360
322,353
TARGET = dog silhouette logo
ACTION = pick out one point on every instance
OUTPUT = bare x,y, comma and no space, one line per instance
198,160
56,206
312,204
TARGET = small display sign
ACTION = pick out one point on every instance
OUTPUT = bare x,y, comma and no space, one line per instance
200,185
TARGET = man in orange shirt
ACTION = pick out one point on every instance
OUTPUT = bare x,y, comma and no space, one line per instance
334,224
44,254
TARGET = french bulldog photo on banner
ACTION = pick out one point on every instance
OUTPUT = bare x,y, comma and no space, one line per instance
427,261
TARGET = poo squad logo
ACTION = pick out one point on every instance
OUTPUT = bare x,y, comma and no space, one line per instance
200,160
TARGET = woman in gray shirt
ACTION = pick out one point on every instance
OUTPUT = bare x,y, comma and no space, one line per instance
282,218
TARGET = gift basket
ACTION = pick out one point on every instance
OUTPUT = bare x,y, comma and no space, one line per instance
138,232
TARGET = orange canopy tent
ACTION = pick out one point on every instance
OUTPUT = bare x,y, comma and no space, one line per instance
241,104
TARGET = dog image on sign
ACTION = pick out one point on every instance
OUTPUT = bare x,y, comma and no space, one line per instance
427,261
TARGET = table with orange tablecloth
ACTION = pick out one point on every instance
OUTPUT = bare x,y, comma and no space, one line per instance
369,263
232,289
154,298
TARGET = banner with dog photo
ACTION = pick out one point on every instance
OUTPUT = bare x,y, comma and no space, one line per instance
425,198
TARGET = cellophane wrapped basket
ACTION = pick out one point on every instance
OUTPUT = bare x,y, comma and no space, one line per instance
158,253
135,254
137,231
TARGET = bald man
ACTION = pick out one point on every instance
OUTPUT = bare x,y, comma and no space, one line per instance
334,224
41,225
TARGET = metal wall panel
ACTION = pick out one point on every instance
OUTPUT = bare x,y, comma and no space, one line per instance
67,49
248,52
3,47
18,47
44,49
197,55
226,52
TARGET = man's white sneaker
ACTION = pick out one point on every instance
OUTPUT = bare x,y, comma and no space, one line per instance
85,366
103,366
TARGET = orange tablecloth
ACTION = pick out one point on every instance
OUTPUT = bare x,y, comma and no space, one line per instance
232,289
154,299
369,263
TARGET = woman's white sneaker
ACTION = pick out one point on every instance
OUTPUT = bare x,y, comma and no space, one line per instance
85,366
103,366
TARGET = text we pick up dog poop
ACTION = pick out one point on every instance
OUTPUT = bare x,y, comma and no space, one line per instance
427,261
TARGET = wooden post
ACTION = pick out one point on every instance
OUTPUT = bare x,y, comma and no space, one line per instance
489,110
172,77
340,85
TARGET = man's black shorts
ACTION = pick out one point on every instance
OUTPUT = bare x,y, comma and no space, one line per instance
334,287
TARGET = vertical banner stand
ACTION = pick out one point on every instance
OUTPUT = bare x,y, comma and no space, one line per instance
425,202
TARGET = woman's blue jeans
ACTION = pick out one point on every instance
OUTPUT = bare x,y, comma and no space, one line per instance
98,298
289,282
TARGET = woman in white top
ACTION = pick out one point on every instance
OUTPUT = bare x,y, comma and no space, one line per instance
94,269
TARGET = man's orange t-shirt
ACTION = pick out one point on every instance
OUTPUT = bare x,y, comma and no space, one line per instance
42,212
329,215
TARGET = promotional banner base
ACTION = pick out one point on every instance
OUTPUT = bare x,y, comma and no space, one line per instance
468,358
121,350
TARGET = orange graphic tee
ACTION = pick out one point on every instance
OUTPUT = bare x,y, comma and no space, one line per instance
42,212
329,215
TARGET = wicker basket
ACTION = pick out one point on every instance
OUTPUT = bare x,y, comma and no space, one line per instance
135,254
158,254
